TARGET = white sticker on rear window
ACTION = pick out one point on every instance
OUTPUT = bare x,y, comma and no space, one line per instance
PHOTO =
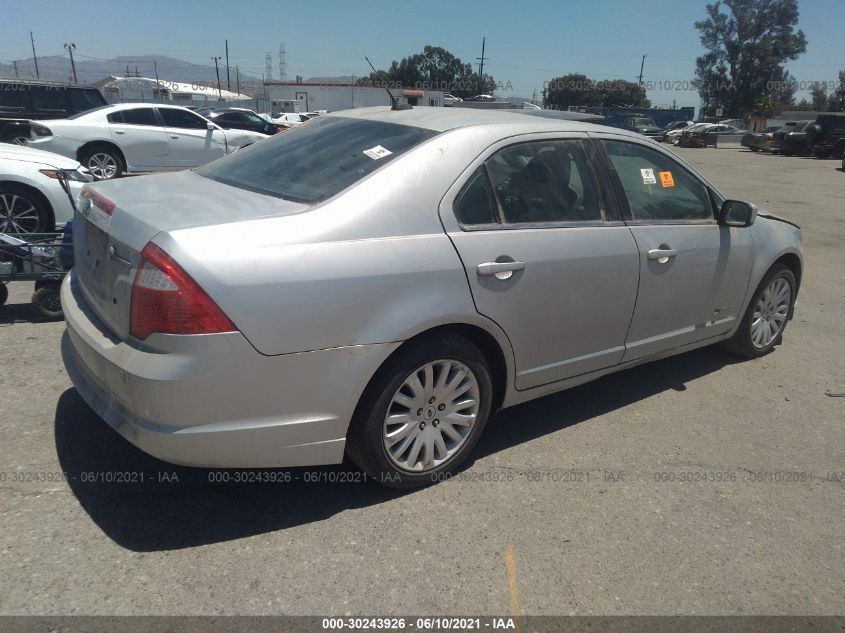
648,177
377,152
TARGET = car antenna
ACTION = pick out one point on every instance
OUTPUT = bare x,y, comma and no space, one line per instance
396,105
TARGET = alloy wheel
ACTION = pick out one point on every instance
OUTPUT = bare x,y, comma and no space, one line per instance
102,166
770,313
431,415
17,214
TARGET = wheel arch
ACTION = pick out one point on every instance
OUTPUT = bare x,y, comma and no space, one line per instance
80,152
36,193
487,343
793,262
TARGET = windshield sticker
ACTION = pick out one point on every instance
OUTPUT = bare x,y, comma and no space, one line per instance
648,176
377,152
666,179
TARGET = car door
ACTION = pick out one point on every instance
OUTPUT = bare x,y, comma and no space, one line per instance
140,136
694,273
191,142
546,254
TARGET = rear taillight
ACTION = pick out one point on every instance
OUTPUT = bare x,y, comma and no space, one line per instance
40,130
98,200
166,299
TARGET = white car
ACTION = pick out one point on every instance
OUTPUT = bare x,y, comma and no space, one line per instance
133,137
291,119
31,198
674,136
450,99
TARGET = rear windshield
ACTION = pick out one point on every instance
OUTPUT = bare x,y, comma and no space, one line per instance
313,162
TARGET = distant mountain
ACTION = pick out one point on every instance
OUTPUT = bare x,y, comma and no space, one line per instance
57,68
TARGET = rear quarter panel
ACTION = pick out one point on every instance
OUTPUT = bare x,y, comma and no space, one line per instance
372,265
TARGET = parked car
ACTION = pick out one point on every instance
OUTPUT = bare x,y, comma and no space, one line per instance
379,282
22,101
31,198
239,119
674,136
739,124
791,138
450,100
290,119
674,125
482,98
133,137
827,135
755,141
641,125
699,136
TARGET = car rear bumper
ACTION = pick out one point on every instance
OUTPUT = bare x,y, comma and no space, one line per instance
213,400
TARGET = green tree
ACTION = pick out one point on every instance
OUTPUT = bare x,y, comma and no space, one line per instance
746,48
818,96
579,91
434,68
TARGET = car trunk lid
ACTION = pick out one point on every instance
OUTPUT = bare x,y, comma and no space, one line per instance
107,246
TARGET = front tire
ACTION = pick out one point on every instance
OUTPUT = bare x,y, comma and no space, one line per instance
767,315
422,413
21,211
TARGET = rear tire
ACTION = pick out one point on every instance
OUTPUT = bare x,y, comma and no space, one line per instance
767,316
422,413
47,303
4,294
102,161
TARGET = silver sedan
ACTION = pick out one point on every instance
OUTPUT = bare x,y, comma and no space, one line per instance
379,282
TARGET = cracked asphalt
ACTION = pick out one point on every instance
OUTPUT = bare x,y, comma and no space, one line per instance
700,484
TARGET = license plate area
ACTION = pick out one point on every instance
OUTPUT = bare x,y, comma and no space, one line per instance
94,252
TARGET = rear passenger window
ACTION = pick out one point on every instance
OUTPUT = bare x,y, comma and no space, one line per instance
658,187
49,99
473,205
84,100
140,116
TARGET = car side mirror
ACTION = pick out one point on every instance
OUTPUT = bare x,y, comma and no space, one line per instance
210,126
737,213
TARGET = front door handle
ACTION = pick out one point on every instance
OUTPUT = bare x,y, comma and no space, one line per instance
662,255
119,132
500,270
174,136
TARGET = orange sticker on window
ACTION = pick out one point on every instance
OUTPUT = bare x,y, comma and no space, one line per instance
666,179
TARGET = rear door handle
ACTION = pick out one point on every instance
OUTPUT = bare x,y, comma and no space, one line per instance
119,132
500,270
662,255
174,136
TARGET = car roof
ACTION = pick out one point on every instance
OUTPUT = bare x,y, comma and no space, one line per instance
444,119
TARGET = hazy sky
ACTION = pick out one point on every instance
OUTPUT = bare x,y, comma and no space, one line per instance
528,42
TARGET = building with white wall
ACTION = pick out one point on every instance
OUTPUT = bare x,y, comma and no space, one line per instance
308,97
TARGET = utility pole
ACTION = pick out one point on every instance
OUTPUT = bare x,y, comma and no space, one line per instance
155,68
238,78
34,58
640,78
481,59
228,82
17,76
70,48
217,70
